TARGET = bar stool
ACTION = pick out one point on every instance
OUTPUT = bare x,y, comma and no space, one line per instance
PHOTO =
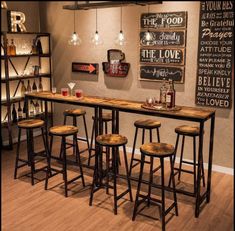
144,124
161,151
64,131
106,117
113,141
29,125
74,113
190,131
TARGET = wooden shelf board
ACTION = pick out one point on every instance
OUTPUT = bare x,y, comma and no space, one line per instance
13,78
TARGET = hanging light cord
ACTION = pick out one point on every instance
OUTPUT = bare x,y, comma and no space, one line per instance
148,15
96,19
121,20
74,21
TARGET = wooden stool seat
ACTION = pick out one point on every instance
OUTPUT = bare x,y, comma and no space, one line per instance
147,123
187,130
30,123
105,116
63,130
157,149
111,140
74,112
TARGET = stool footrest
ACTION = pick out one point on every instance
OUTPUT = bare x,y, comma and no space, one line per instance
22,165
187,162
123,194
24,161
75,178
147,162
156,169
184,170
170,208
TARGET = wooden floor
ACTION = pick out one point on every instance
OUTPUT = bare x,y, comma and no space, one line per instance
31,208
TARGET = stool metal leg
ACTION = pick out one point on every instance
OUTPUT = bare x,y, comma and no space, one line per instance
158,135
86,133
106,127
150,135
114,157
138,187
150,179
194,165
181,157
143,135
17,154
91,145
127,175
65,117
75,153
64,167
47,152
107,169
133,151
31,153
163,194
173,185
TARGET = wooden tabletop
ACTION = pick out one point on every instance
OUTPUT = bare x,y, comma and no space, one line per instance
186,113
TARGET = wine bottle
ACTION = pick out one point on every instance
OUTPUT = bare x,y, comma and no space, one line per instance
23,89
28,89
34,88
39,46
31,109
24,109
40,87
8,48
13,47
20,112
170,95
37,108
163,91
14,114
34,47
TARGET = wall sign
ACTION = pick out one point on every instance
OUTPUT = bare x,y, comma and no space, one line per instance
160,72
89,68
164,55
164,38
16,21
164,20
215,54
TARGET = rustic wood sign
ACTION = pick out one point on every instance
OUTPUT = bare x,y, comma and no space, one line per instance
116,69
89,68
164,38
161,72
164,20
162,56
215,54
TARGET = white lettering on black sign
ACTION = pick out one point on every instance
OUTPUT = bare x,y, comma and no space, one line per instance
215,54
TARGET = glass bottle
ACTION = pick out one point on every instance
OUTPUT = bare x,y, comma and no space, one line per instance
39,46
20,112
13,47
37,108
34,88
14,114
23,89
34,47
24,109
28,89
40,87
170,95
8,48
31,109
163,91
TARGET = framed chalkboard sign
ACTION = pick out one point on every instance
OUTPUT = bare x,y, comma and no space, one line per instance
157,73
164,38
162,56
164,20
215,54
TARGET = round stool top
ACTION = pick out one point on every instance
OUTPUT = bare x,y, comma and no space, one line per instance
30,123
187,130
157,149
111,140
63,130
106,116
74,112
147,123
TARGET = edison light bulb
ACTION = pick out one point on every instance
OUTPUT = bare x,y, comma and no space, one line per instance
148,36
121,39
74,39
96,39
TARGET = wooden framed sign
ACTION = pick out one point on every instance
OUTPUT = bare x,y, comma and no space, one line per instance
163,20
215,54
150,72
162,56
89,68
164,38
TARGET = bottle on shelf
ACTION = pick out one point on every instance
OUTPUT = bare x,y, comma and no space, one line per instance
34,47
14,114
8,48
37,108
31,109
39,46
24,109
34,88
170,95
12,48
163,91
20,112
28,89
23,89
40,87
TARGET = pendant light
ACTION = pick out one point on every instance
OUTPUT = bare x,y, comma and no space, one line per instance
96,39
120,40
148,36
74,38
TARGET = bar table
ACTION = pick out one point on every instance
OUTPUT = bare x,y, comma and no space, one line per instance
193,114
